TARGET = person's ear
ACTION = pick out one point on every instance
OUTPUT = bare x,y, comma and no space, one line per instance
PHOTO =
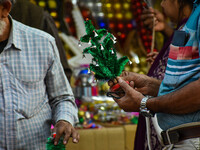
7,5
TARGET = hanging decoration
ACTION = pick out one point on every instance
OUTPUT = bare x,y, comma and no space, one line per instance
105,64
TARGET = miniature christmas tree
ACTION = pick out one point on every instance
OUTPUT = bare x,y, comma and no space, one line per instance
50,144
104,64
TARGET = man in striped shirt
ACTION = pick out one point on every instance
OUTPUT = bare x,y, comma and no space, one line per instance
34,91
176,100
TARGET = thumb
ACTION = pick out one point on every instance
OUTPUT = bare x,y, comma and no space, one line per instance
124,85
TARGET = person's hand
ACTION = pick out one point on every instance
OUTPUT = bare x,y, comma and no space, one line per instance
130,102
149,14
151,57
66,129
142,83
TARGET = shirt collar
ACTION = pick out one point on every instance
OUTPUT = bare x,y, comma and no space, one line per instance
14,38
196,3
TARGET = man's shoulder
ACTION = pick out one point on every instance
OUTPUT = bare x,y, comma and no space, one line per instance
30,31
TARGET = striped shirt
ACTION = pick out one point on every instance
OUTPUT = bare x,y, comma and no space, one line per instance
34,91
183,67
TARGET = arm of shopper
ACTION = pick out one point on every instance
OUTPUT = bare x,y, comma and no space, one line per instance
61,98
183,101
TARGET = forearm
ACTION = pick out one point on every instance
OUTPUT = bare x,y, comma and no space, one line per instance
182,101
153,86
65,110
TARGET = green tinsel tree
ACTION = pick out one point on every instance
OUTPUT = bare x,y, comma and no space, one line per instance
104,64
50,144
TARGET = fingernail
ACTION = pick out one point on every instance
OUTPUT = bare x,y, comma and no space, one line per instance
55,143
119,80
75,140
54,135
115,81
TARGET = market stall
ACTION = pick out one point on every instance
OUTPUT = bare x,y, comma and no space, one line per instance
102,124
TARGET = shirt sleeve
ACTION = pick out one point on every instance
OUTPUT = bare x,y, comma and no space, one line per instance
49,26
198,34
61,98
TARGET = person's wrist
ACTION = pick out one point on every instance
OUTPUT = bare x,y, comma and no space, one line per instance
143,107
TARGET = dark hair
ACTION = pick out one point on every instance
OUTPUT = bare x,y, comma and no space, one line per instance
182,4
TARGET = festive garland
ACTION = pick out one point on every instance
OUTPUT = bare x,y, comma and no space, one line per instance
104,64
